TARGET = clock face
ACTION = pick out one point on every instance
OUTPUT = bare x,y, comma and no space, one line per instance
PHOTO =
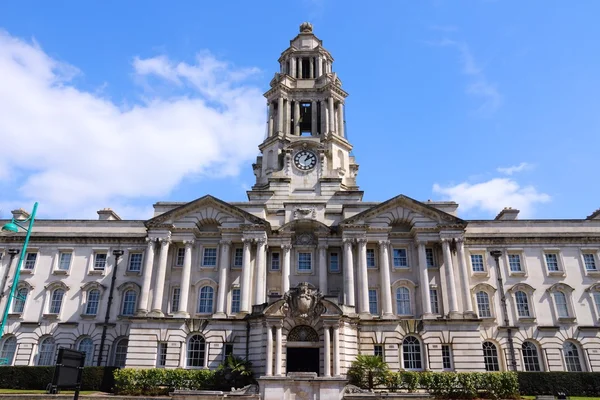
305,160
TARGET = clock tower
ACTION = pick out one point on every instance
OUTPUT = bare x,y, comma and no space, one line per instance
306,154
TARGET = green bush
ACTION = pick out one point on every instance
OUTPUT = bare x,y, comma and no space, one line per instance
158,381
38,378
234,372
368,371
585,384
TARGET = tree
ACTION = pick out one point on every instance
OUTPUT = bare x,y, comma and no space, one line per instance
234,372
368,371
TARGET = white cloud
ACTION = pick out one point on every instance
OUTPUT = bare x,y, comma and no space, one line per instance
515,168
76,151
492,196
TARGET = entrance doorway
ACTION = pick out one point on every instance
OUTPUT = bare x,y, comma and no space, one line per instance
302,359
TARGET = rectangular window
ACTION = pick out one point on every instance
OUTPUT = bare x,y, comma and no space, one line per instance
334,262
30,259
514,262
179,257
64,260
304,261
378,350
238,257
235,301
275,261
446,357
228,349
561,305
371,258
552,262
373,301
429,256
400,258
209,258
433,299
161,359
477,263
100,261
135,262
175,299
590,262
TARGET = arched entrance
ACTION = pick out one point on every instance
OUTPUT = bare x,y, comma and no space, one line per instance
303,350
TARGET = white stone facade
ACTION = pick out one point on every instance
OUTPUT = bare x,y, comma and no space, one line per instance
405,279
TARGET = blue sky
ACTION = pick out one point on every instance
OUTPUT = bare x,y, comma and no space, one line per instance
122,104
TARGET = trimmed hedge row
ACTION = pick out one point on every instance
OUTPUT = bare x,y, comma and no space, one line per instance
38,378
586,384
158,381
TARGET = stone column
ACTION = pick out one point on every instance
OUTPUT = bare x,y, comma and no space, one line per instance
299,67
331,110
313,117
464,274
278,350
293,66
297,118
285,270
384,273
223,284
450,276
261,272
271,116
424,279
245,284
363,277
159,286
280,115
348,273
311,70
186,273
318,66
147,277
340,112
324,119
336,350
323,269
327,351
269,367
288,117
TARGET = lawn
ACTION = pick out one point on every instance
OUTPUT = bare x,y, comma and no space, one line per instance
22,391
570,398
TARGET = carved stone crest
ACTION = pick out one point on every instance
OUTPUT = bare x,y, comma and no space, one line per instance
305,212
303,301
305,239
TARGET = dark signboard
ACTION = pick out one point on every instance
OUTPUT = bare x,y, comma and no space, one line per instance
68,371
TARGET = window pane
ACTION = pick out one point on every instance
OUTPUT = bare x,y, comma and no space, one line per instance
561,305
205,303
161,359
235,301
180,256
304,261
19,300
370,258
597,301
129,302
30,261
9,348
590,262
87,346
400,259
514,261
334,264
490,357
238,257
46,352
411,353
433,299
175,299
403,301
446,357
430,258
522,304
378,350
477,263
93,299
572,357
552,261
530,357
483,305
135,262
373,301
195,351
210,257
64,261
56,301
120,353
99,261
275,261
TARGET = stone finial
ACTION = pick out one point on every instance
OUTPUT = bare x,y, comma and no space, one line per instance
106,214
306,27
507,214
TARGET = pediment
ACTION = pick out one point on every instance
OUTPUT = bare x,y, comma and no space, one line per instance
402,211
207,210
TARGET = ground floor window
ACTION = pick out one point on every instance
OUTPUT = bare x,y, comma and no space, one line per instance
490,357
196,351
411,353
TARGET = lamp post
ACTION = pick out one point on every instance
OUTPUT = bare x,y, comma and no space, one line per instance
117,254
511,346
13,227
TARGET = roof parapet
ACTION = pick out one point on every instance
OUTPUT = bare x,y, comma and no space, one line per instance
107,214
507,214
594,215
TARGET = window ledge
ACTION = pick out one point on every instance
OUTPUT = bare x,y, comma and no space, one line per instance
60,272
177,266
208,267
275,271
593,272
487,319
527,319
26,271
556,273
15,315
401,269
87,316
304,272
517,273
96,272
121,316
133,273
568,320
480,274
50,316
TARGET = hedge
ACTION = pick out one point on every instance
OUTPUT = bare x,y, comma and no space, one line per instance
158,381
38,378
586,384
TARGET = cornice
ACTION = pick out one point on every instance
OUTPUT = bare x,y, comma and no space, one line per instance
121,240
513,240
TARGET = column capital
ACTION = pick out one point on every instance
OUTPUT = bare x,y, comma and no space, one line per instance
460,239
286,247
361,241
260,241
189,243
323,246
165,241
348,241
150,241
247,241
225,242
383,243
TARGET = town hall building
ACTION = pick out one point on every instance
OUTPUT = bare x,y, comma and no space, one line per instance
305,275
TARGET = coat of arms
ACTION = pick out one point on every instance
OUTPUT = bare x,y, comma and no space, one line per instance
303,301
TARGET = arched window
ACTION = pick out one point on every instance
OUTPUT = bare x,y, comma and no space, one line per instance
562,309
196,351
7,352
129,302
411,353
572,357
522,304
86,345
93,299
490,357
47,348
483,305
56,301
531,359
205,301
403,301
19,300
120,353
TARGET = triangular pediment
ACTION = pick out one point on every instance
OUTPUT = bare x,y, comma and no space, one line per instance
207,210
402,210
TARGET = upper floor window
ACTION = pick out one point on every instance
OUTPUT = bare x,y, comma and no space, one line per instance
597,301
430,257
400,258
275,261
235,301
175,298
562,308
238,257
514,263
209,258
30,259
179,256
205,300
56,301
531,360
490,357
129,302
483,305
371,258
552,262
304,261
64,260
373,301
403,306
93,300
589,260
100,261
19,300
433,299
522,302
334,262
477,263
135,262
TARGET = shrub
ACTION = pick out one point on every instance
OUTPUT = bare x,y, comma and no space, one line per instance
551,383
38,378
368,371
234,372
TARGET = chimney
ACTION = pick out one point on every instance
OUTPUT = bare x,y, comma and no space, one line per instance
507,214
20,214
107,214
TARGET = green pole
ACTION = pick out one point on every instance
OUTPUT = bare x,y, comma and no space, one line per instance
17,274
